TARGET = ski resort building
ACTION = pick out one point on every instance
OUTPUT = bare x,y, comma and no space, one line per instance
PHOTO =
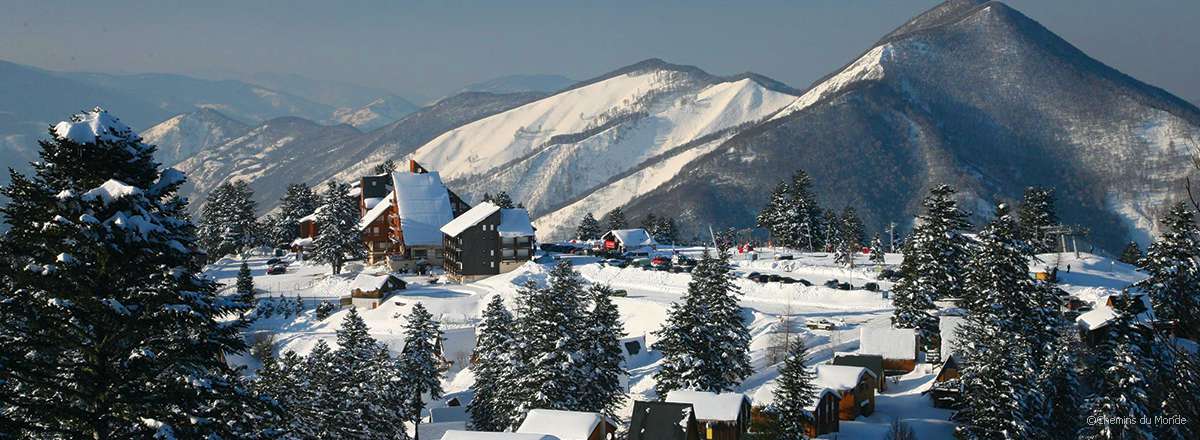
368,291
663,421
487,240
898,346
854,385
628,240
568,425
825,410
872,362
421,206
376,208
1093,325
723,416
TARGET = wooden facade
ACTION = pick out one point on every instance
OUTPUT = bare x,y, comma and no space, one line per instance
872,362
825,414
721,416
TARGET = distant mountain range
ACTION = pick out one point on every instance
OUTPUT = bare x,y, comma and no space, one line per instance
971,93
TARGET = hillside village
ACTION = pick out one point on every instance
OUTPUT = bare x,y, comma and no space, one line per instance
656,253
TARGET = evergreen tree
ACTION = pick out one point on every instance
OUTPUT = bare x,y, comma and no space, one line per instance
298,202
1058,378
792,215
1132,254
650,223
1037,215
666,231
245,283
550,327
385,167
850,237
704,342
492,407
1172,264
996,379
339,238
227,220
602,354
109,330
1178,385
353,391
317,399
773,217
503,200
794,393
934,260
616,219
420,359
589,228
831,237
1121,392
877,253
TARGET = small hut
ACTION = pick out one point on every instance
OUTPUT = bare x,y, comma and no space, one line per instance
568,425
898,346
628,240
662,421
825,411
368,291
855,385
722,416
871,362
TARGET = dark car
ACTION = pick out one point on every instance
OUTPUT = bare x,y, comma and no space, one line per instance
845,286
752,276
273,261
832,284
872,287
889,275
277,269
774,278
787,280
804,282
784,257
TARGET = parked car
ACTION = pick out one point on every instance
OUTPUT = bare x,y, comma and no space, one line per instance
642,262
819,324
277,269
620,292
615,262
804,282
871,287
832,284
784,257
787,280
273,261
845,286
889,275
774,278
752,276
660,262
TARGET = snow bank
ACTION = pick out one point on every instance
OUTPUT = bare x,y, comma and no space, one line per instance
566,425
110,191
710,406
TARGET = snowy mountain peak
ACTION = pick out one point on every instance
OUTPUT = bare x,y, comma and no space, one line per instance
186,134
377,113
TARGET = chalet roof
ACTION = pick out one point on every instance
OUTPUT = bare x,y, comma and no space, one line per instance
948,328
303,242
514,222
871,362
891,343
367,282
841,377
470,218
566,425
374,213
436,430
812,406
481,435
423,205
711,406
448,414
632,237
661,421
1103,314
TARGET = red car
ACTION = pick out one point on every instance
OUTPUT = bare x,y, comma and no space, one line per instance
277,269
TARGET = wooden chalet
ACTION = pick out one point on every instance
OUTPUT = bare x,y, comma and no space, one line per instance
627,240
307,233
376,208
825,409
872,362
568,425
854,385
422,205
898,346
946,391
1093,325
487,240
368,291
663,421
721,416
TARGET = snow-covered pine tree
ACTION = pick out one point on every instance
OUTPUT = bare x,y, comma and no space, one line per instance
491,408
1172,264
997,379
420,359
393,391
831,236
317,395
298,202
1037,215
1132,254
109,330
550,327
666,231
1059,381
602,354
615,219
773,217
339,238
649,222
1121,394
1178,384
794,392
503,200
705,343
227,221
358,413
850,237
589,228
385,167
245,283
877,253
933,266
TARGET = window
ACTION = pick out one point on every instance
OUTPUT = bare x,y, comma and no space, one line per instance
523,252
420,253
523,240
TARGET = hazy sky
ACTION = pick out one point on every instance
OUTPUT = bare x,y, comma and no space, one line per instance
432,48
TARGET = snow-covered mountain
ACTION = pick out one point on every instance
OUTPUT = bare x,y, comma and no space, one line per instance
186,134
289,150
971,93
552,151
375,114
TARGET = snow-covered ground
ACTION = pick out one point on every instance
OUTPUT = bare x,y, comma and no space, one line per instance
644,308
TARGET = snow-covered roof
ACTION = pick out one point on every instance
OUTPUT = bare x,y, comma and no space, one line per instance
96,124
514,222
370,202
375,211
812,406
566,425
1102,314
448,414
423,205
482,435
891,343
840,377
303,242
367,282
710,406
435,430
470,218
632,237
109,191
947,327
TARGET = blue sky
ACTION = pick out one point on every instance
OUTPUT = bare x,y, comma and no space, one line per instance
432,48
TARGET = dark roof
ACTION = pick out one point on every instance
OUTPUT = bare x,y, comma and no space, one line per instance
376,186
873,362
662,421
